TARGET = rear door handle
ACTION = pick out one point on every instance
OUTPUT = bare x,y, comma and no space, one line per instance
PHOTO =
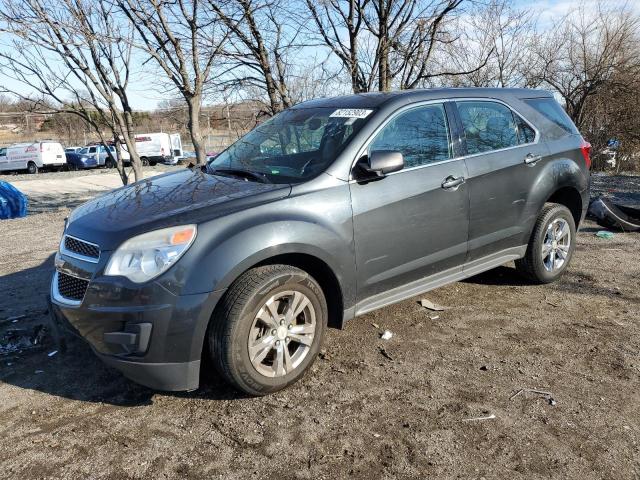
531,159
452,182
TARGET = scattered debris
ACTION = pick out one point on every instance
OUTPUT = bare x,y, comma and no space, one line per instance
547,395
385,354
604,234
51,354
434,317
490,417
37,372
15,318
324,355
484,368
431,306
18,339
386,335
377,435
375,325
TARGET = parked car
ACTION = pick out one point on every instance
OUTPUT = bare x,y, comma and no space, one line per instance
78,161
72,149
32,156
331,209
99,152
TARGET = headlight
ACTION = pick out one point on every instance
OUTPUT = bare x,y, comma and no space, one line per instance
148,255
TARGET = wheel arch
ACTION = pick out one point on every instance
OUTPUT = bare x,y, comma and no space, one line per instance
570,197
310,262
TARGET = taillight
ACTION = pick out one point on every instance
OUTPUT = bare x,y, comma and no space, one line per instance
585,148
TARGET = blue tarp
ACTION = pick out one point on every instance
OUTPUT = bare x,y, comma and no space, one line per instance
13,203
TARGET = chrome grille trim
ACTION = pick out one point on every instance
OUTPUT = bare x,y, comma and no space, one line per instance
84,250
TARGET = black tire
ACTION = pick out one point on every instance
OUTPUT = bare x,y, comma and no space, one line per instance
233,320
144,161
32,168
532,266
108,163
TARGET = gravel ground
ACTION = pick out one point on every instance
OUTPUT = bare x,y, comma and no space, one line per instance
368,408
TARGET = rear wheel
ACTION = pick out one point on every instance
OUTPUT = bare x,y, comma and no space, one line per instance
551,245
108,163
32,168
268,329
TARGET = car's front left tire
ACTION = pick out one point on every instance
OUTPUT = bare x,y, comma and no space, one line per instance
268,328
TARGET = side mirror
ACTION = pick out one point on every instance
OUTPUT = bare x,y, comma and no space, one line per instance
382,162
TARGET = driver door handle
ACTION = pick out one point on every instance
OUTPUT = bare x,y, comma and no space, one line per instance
452,182
532,159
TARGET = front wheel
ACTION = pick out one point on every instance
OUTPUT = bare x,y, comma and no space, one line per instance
268,329
551,245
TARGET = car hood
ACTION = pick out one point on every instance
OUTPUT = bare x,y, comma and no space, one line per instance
184,197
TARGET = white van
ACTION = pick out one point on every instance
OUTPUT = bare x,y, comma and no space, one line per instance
159,148
32,156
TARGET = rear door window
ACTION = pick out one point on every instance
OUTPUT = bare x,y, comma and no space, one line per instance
492,126
420,134
551,110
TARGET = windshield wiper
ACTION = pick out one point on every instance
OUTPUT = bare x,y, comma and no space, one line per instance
241,173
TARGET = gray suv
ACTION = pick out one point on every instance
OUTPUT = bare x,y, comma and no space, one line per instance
329,210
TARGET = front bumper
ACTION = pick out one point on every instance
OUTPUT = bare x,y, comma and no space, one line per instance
152,336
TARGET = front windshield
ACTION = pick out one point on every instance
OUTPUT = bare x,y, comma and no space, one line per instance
293,146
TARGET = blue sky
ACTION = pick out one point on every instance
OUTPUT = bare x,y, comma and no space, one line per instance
145,95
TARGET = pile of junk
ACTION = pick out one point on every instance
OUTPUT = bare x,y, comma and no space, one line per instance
614,216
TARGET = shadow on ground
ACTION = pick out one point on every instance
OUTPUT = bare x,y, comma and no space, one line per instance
51,203
73,372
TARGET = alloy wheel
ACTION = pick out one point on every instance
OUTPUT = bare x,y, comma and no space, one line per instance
282,334
556,245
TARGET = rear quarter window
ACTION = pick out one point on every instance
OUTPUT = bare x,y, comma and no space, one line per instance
552,111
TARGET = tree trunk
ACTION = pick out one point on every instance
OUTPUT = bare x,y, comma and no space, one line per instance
194,129
130,142
383,65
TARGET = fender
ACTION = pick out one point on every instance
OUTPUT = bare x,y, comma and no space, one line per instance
559,172
321,227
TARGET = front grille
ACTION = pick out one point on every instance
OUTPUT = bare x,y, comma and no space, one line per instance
86,249
70,287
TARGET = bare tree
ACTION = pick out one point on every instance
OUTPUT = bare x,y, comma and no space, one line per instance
330,19
388,42
73,55
183,40
261,45
585,52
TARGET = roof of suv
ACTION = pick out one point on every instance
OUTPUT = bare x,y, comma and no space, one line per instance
376,99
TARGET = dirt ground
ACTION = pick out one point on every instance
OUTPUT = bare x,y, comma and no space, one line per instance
369,408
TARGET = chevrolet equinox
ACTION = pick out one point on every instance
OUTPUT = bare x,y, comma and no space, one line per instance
329,210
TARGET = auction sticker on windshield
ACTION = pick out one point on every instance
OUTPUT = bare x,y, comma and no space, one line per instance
351,113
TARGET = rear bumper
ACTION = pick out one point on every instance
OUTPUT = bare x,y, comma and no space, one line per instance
158,344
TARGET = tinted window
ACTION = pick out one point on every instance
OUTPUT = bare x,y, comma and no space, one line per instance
487,126
92,150
525,132
550,109
420,134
